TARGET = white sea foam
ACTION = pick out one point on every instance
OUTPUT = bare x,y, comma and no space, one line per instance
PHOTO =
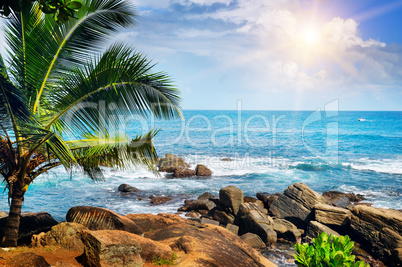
392,166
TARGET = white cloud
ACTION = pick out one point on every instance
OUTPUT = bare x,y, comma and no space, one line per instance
201,2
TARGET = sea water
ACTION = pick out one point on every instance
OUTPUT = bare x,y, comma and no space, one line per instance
358,152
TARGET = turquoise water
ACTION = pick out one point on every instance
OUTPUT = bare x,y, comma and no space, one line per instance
269,150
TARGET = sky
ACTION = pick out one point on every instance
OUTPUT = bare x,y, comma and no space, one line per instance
275,54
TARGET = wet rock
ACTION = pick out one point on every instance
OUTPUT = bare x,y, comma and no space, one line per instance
381,229
111,248
253,240
296,204
223,217
30,224
202,170
183,173
254,221
66,235
315,228
171,163
160,200
231,197
27,259
101,219
331,215
125,188
206,196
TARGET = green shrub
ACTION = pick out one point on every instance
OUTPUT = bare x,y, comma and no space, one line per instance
327,251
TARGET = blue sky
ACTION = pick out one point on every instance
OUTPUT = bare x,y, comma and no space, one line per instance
276,54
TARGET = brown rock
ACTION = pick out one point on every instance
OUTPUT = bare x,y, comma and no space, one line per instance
111,248
223,217
67,235
193,214
335,196
171,163
248,199
293,235
160,200
183,173
101,219
281,226
126,188
331,215
232,228
296,204
226,159
209,221
206,196
202,170
231,197
253,240
315,228
197,205
27,259
30,224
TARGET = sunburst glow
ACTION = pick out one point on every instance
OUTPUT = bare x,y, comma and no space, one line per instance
310,36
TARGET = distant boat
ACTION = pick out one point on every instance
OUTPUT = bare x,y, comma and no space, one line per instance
361,119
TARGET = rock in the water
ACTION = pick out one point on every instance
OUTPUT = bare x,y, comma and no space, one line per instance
160,200
171,163
197,205
125,188
30,224
183,173
331,215
202,170
381,229
226,159
206,196
223,217
27,259
111,248
341,199
253,240
101,219
296,204
315,228
231,197
252,220
67,235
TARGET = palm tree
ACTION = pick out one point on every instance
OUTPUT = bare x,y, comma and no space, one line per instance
53,72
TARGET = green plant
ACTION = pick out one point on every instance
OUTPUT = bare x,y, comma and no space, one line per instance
327,251
160,261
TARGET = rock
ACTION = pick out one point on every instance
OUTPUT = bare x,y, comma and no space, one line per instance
150,222
197,205
209,221
233,228
206,196
209,245
254,221
111,248
293,235
67,235
315,228
27,259
30,224
248,199
341,199
223,217
281,226
231,197
101,219
127,188
160,200
193,214
382,231
331,215
183,173
3,214
202,170
253,240
226,159
171,163
296,204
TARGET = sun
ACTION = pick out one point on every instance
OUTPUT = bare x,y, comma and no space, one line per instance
310,36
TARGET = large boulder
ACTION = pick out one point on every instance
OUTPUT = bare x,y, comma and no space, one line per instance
331,215
183,173
101,219
202,170
315,228
149,222
296,204
223,217
382,230
171,163
197,205
252,219
253,240
202,245
111,248
27,259
67,235
281,226
30,224
231,197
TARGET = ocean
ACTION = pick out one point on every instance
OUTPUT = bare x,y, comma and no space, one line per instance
349,151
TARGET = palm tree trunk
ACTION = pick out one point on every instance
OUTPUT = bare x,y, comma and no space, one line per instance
13,221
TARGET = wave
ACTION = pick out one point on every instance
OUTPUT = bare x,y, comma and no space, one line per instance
391,166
